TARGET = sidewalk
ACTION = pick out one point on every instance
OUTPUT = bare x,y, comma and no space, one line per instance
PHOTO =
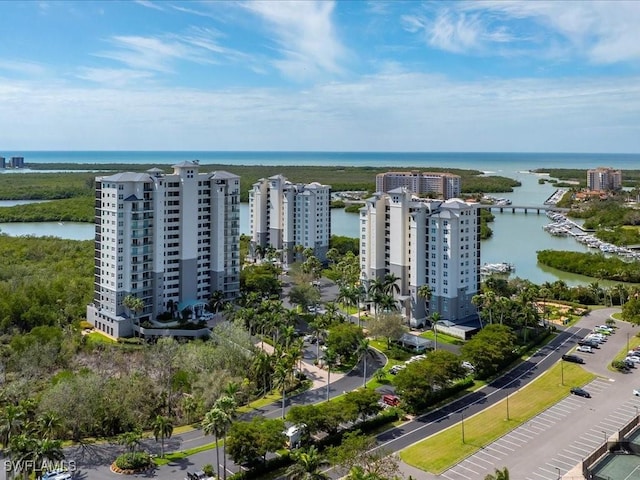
313,372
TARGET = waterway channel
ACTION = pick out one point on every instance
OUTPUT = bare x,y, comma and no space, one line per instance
516,236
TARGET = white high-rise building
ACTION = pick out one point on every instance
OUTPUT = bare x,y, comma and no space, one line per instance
283,215
423,242
170,240
445,185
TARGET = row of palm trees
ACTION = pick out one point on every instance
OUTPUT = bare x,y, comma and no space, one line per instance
29,440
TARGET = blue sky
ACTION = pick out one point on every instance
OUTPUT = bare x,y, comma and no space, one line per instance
531,76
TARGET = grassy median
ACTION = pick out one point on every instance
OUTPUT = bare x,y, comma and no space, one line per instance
443,450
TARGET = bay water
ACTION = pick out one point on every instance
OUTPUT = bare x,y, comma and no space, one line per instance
516,239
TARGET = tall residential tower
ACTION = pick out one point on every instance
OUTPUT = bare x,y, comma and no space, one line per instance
170,240
284,215
423,242
444,185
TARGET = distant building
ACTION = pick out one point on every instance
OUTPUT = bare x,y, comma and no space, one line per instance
171,240
444,185
603,179
17,162
283,215
3,162
423,242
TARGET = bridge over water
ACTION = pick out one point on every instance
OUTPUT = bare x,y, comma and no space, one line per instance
525,208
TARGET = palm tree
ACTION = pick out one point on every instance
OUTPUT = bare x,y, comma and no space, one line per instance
435,318
307,466
11,420
390,285
425,293
330,359
213,424
227,405
131,440
135,306
48,425
544,293
162,429
363,350
217,301
47,450
498,475
281,378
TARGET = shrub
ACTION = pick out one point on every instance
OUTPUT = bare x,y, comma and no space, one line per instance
133,462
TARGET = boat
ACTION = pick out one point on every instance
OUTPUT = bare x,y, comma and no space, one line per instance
500,268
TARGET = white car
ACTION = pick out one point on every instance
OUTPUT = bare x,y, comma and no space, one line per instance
468,365
632,359
605,327
584,348
636,392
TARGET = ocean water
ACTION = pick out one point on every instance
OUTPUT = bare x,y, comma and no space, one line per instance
487,162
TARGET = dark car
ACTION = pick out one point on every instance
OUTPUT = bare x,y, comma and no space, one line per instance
589,343
572,358
581,392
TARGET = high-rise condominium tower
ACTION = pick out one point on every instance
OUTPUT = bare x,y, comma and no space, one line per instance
169,240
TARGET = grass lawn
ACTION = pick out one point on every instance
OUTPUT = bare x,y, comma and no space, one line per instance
172,457
442,338
443,450
95,338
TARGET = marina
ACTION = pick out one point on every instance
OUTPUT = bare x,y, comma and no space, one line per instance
563,227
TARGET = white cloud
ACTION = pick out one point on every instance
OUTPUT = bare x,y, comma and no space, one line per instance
149,4
304,31
112,76
396,111
30,69
603,32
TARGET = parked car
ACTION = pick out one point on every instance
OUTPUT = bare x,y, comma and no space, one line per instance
633,353
572,358
602,331
589,343
606,327
396,368
581,392
632,359
584,348
468,365
636,392
629,363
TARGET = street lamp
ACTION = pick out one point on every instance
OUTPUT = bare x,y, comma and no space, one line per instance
559,474
508,406
462,415
605,436
562,371
627,341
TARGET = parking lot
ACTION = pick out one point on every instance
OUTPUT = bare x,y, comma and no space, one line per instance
555,441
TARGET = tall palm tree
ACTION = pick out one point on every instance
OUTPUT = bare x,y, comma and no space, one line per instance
281,378
425,293
362,351
307,466
435,318
330,360
162,429
228,405
135,305
213,424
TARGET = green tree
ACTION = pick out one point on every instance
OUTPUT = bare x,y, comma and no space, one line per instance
362,459
330,360
256,438
162,429
215,423
389,326
489,349
425,293
228,406
307,465
135,305
344,339
362,351
435,318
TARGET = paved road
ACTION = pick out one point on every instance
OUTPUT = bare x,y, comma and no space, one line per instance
556,440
